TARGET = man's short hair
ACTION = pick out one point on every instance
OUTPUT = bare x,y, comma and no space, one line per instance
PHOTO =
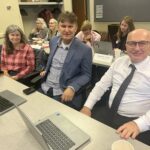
67,17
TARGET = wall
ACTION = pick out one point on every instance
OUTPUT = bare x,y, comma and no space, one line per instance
13,16
68,5
102,26
10,14
113,10
32,11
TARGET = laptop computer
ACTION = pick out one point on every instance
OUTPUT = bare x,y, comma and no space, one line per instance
56,132
8,100
103,47
103,53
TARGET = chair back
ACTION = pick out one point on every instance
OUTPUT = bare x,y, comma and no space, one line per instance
40,59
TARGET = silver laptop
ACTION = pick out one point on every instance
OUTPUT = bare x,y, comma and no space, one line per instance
103,47
56,132
8,100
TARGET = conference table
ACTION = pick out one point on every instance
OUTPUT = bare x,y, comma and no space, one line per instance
14,135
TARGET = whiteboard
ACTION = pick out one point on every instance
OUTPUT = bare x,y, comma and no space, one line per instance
114,10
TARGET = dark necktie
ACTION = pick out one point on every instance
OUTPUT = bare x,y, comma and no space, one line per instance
121,91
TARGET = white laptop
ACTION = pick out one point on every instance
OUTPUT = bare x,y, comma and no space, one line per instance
8,100
103,47
56,132
103,53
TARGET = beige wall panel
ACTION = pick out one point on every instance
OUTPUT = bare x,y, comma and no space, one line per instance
10,14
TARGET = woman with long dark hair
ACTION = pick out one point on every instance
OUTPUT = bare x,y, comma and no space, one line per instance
17,56
126,26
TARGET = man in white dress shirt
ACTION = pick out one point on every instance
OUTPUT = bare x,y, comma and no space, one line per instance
133,115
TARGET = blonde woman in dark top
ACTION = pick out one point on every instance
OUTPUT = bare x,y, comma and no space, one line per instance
40,31
126,26
53,31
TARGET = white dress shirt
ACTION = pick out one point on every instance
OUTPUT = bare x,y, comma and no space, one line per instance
136,99
53,77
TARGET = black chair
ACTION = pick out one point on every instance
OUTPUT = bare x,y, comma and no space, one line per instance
40,63
100,104
112,30
83,91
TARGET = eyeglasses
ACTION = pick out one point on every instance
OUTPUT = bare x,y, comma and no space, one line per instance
141,44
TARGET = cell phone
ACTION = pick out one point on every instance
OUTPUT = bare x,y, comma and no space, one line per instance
29,90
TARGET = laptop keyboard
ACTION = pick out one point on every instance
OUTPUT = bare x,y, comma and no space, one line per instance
4,104
54,136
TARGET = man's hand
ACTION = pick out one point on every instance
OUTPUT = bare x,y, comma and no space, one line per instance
129,129
85,110
67,95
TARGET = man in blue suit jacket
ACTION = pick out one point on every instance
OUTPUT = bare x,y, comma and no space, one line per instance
69,64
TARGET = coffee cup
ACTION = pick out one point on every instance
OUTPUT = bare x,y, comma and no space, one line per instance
122,145
117,53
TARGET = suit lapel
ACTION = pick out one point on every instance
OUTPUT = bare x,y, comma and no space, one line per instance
52,53
71,52
69,56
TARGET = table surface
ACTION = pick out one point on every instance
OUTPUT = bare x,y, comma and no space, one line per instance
14,134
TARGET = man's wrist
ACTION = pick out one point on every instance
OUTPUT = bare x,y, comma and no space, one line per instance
86,108
72,88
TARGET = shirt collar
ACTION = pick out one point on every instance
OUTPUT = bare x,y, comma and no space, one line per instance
142,63
64,46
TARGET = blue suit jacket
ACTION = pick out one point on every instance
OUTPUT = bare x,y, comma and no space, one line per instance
77,67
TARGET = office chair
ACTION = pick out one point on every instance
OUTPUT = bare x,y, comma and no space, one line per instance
40,63
36,83
100,104
104,36
112,30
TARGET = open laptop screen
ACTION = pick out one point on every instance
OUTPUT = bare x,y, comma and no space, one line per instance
103,47
8,100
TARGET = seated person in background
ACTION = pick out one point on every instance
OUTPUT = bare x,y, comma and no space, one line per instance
126,26
53,31
17,57
130,115
69,64
40,31
86,34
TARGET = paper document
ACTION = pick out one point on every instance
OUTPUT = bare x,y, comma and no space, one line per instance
102,59
36,46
